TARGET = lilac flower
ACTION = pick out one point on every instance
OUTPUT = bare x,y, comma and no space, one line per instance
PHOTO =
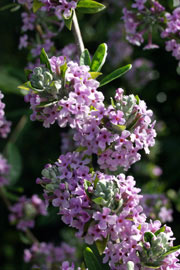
28,21
141,73
4,171
117,44
23,42
25,210
4,124
157,206
46,255
140,18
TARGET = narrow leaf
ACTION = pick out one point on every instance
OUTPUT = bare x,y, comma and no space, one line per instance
8,6
89,6
81,148
137,98
26,86
37,5
153,266
115,74
99,57
101,245
85,58
68,21
99,201
94,75
171,250
91,260
63,69
112,102
15,8
15,162
162,229
44,59
25,239
148,236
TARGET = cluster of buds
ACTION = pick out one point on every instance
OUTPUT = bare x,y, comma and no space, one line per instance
105,210
4,171
25,211
4,124
47,256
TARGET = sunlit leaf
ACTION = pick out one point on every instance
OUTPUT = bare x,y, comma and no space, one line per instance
115,75
99,57
89,6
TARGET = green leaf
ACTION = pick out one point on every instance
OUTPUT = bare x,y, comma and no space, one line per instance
68,21
115,74
96,181
99,57
101,245
87,184
130,265
15,8
9,195
162,229
8,6
148,236
44,59
81,149
37,5
112,102
91,260
89,6
99,201
171,250
137,98
153,265
117,128
15,161
85,58
9,83
26,86
94,75
25,239
63,69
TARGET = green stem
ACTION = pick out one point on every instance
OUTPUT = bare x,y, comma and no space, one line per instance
77,34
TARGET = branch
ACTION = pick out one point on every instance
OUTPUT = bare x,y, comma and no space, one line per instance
77,34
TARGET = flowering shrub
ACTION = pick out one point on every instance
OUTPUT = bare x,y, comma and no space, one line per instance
88,184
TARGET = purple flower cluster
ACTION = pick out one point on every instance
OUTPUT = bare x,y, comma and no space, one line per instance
140,19
63,7
141,74
172,32
118,132
114,133
157,206
73,101
103,207
25,210
47,256
37,31
84,198
4,171
4,124
118,44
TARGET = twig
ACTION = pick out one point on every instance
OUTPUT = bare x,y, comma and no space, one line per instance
77,34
